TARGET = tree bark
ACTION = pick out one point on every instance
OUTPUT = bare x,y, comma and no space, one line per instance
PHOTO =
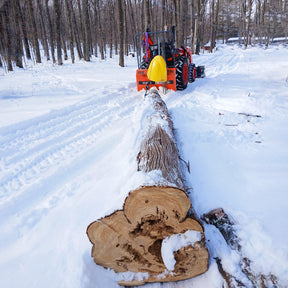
18,49
226,226
197,27
147,14
86,33
57,9
76,33
130,239
120,32
71,42
248,21
7,36
51,34
100,31
44,33
34,31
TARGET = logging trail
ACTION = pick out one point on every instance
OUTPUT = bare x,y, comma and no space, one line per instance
69,137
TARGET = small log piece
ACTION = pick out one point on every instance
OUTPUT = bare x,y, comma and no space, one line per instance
221,220
130,239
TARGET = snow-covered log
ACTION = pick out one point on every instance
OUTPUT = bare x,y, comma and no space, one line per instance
133,239
221,220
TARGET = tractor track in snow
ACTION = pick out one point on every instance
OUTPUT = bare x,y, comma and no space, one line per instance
29,153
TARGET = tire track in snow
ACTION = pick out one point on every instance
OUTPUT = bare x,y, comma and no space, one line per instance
30,154
225,63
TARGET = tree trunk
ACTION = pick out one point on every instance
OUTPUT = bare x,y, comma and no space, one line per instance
34,31
18,49
120,32
163,18
44,33
57,9
51,34
212,25
226,226
71,42
76,33
8,36
248,20
147,14
100,31
197,27
131,239
86,33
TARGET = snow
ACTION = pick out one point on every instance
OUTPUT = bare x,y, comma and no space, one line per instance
176,242
69,137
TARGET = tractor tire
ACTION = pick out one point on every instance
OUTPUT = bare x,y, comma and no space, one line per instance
181,73
191,73
144,64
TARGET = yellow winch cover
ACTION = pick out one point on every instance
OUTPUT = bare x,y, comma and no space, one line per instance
157,70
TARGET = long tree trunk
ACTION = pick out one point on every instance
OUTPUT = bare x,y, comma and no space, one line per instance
51,33
24,30
69,18
120,32
34,31
100,31
76,33
248,21
18,49
7,36
44,33
163,18
86,33
147,14
131,239
57,9
197,27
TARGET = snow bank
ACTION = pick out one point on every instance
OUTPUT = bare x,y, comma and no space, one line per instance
68,142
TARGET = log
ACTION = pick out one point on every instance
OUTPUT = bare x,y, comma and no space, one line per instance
224,223
131,239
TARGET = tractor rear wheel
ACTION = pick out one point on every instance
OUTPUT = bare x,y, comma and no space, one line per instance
191,73
181,73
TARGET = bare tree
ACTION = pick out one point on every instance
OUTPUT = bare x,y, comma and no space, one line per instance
50,35
86,30
147,14
43,28
18,48
120,32
23,27
248,22
90,25
7,35
70,29
33,27
57,9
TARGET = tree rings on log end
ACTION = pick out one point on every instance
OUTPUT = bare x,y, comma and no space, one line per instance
131,239
190,262
167,203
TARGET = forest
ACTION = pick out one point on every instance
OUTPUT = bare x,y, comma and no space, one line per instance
79,29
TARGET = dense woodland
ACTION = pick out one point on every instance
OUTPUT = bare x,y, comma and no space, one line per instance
78,29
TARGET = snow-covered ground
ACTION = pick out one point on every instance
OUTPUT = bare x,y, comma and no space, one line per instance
69,138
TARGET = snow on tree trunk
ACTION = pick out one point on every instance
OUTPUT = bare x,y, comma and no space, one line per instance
226,226
131,239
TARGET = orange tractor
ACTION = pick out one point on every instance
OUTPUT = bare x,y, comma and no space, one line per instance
161,64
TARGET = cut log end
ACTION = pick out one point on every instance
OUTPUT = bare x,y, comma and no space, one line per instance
131,239
167,204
